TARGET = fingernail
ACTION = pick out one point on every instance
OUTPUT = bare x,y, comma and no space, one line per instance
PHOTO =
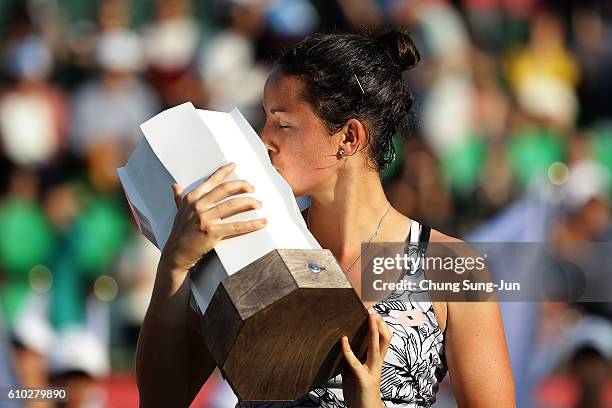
262,221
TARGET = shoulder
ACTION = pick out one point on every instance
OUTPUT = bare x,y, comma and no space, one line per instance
450,245
458,315
437,236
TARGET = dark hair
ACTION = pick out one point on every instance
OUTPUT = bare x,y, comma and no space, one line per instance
336,67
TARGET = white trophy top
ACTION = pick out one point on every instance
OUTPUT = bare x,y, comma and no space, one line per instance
186,145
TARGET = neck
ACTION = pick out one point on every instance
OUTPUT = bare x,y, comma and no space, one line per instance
347,214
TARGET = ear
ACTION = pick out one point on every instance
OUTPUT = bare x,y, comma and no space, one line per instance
353,137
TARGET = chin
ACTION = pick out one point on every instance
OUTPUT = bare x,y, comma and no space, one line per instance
294,181
297,189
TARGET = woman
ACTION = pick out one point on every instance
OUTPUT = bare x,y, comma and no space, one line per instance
332,104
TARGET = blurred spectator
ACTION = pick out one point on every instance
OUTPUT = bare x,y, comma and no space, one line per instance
170,47
532,150
33,115
33,339
439,25
593,49
230,72
590,360
586,204
7,370
26,240
136,274
577,349
419,190
496,23
108,110
76,359
113,14
544,74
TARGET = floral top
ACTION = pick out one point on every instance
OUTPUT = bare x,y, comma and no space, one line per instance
415,363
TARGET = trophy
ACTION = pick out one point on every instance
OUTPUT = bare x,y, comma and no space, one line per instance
272,303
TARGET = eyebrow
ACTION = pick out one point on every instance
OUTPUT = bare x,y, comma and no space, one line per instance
273,111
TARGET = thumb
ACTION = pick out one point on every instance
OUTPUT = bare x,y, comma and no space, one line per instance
178,191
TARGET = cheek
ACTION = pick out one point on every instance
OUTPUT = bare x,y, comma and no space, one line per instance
303,161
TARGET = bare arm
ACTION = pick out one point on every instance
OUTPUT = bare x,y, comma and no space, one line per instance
172,360
477,356
475,343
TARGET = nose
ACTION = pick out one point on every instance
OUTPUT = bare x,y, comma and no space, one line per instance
266,138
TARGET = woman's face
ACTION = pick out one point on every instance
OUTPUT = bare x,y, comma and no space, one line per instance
298,143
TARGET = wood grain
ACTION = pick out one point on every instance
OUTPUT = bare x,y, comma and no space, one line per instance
220,325
292,346
331,275
259,284
274,326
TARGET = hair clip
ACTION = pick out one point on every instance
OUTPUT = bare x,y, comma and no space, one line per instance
359,83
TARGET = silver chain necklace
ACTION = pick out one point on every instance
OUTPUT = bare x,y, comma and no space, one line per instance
369,241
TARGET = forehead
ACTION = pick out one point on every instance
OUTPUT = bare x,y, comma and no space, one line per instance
284,92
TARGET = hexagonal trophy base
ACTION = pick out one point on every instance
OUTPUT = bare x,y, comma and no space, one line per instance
274,327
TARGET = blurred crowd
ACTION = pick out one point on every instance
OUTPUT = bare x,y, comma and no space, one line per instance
513,97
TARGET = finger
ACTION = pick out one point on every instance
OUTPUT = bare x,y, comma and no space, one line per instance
222,191
178,194
211,182
385,336
232,207
374,349
352,361
384,329
237,228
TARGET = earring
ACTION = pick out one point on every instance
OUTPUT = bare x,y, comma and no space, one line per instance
341,152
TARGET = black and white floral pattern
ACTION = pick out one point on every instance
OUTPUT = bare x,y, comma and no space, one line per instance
415,363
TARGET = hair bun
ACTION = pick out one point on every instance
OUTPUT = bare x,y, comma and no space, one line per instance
400,48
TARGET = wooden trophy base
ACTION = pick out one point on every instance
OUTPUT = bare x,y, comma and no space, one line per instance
274,327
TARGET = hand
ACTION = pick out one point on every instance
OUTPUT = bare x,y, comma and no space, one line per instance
198,225
361,382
